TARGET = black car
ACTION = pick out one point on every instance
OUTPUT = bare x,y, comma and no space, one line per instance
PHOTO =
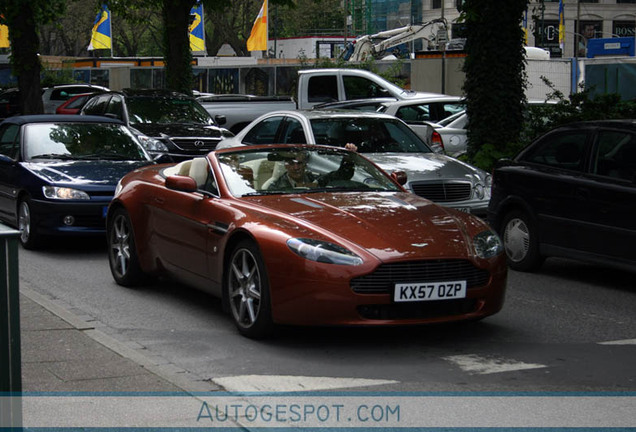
571,193
9,103
58,173
166,122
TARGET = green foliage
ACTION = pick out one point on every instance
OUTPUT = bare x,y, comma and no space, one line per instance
577,107
495,77
55,77
307,18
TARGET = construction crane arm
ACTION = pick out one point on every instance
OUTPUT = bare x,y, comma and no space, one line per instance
376,44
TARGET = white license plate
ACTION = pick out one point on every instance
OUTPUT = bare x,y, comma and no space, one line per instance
413,292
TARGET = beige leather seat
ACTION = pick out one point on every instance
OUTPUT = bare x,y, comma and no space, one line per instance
199,171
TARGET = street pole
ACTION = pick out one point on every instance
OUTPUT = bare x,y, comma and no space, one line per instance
443,55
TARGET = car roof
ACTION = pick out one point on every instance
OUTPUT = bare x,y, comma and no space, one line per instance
60,118
63,86
315,114
161,93
432,98
354,102
590,124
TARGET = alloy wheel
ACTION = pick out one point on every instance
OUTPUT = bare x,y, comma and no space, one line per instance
120,245
245,288
24,222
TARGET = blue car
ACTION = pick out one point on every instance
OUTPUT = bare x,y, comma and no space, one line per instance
58,173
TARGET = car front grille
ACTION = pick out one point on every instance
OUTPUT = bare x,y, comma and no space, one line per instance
196,144
443,191
382,280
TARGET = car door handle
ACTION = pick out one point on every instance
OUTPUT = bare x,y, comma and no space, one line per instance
159,200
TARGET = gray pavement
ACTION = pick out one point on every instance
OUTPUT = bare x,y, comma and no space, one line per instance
65,352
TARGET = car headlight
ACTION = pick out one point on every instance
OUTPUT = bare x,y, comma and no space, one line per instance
482,189
152,145
322,251
487,244
64,193
479,191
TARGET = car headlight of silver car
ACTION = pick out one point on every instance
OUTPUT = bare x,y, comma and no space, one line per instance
482,188
322,251
64,193
152,145
487,244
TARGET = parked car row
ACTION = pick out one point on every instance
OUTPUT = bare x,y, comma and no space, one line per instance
52,98
228,212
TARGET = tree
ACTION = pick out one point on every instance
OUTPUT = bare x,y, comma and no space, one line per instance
68,35
495,77
23,18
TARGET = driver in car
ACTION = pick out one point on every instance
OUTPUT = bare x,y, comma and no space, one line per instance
296,175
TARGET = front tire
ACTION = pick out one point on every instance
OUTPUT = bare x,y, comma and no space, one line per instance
27,222
521,241
247,290
122,251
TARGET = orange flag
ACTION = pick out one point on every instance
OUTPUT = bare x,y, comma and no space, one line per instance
258,38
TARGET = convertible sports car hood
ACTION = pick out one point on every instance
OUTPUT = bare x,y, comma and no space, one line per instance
422,166
387,224
179,130
103,173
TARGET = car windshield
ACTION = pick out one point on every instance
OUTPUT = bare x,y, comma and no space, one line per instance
370,134
91,141
293,170
163,110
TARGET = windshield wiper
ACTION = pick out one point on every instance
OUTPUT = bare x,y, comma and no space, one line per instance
105,156
265,192
54,156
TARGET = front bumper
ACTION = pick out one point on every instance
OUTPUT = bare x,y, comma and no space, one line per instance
83,217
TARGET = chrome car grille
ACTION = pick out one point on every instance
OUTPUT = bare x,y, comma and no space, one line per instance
196,144
382,280
444,191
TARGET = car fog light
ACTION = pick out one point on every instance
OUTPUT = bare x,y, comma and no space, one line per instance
69,220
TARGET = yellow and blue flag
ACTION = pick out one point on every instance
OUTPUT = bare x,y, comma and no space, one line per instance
525,27
101,37
4,34
258,37
196,30
561,26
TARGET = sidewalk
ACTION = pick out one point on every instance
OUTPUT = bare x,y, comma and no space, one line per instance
61,352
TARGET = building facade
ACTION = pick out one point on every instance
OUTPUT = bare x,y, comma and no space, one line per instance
584,20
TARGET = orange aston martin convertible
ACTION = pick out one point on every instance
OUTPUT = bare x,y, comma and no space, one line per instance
304,235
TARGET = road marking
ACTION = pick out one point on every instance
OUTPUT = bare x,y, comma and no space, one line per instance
619,342
475,364
278,383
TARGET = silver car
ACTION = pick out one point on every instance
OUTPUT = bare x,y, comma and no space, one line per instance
384,139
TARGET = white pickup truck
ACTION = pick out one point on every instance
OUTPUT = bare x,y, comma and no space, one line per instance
315,86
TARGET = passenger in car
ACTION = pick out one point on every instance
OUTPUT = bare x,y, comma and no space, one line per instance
296,175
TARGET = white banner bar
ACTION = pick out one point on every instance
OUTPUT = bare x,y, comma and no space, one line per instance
343,410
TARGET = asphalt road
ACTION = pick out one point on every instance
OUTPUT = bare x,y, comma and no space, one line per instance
570,327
